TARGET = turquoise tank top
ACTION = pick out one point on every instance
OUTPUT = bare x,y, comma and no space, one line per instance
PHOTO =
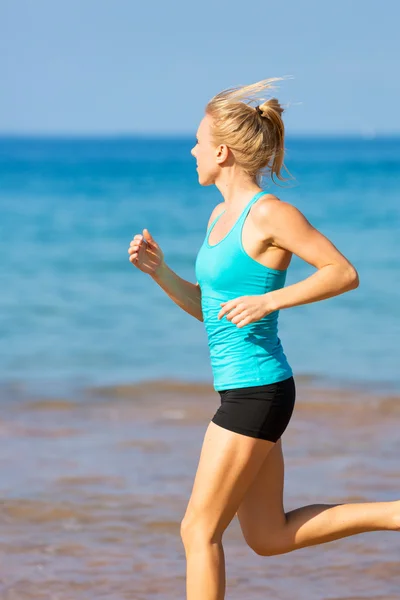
250,355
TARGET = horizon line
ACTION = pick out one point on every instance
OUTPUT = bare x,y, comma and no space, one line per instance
367,135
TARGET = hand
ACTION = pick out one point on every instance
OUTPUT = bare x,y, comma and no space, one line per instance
145,253
247,309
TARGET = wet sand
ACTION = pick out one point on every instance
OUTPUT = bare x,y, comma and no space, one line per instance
94,487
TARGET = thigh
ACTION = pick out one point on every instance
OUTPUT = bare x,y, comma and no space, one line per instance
228,464
261,512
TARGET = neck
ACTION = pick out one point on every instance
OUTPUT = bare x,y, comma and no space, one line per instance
236,188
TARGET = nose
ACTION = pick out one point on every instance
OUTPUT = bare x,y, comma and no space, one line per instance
192,151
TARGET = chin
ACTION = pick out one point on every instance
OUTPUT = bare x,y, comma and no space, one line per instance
205,181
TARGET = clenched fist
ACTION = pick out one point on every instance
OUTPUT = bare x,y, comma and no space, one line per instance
145,253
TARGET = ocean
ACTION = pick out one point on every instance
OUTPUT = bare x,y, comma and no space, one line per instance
75,311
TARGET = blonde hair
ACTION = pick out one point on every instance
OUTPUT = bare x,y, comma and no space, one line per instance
255,135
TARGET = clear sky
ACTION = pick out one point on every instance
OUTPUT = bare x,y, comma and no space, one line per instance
137,66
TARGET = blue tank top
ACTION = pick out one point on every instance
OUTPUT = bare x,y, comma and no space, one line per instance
250,355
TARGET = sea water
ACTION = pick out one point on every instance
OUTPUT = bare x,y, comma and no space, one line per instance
74,310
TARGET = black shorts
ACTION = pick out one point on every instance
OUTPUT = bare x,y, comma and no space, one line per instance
260,411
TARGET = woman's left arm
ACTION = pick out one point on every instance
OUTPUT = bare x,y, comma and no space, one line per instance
286,227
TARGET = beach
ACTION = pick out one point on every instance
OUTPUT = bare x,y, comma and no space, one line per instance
94,488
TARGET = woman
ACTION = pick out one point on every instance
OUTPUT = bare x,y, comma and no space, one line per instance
241,269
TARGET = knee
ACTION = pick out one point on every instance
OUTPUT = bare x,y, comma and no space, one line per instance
395,525
268,551
271,546
196,530
186,529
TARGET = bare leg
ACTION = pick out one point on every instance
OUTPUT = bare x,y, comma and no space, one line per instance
269,530
320,523
205,570
228,464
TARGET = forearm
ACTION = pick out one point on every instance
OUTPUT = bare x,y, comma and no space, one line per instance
327,282
185,294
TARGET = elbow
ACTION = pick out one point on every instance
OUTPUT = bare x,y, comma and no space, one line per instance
352,280
198,315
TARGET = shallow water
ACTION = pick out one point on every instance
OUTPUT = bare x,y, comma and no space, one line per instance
94,488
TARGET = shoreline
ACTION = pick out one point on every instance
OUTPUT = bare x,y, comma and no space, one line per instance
78,391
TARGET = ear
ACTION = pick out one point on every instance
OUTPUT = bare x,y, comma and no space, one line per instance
222,153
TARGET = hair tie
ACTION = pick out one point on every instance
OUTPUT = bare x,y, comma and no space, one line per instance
258,109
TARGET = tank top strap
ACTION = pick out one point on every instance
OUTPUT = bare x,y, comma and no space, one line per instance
214,221
247,208
239,223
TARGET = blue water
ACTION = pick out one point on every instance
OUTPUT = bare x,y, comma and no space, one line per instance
73,310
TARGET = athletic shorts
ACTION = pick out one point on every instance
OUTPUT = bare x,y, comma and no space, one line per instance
260,411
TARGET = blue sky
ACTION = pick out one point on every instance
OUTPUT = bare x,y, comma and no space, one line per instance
131,66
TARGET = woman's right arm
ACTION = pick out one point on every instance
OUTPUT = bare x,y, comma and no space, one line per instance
147,256
185,294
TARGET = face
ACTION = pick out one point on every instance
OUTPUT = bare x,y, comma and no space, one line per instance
208,156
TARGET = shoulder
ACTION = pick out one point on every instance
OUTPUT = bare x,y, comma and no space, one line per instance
271,212
216,212
270,206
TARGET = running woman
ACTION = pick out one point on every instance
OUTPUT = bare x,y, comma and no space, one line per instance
241,269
